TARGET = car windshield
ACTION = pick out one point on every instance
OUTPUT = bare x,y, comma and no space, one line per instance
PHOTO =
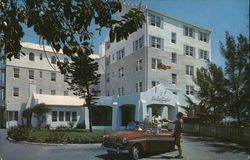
135,126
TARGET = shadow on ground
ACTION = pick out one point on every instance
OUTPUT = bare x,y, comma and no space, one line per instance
219,146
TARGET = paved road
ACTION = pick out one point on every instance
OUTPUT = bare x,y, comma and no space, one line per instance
195,148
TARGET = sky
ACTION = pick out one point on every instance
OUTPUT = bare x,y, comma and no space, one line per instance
216,15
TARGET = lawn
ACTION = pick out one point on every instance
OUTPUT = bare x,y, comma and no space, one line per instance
76,136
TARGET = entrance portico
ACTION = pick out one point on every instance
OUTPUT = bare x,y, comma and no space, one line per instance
137,106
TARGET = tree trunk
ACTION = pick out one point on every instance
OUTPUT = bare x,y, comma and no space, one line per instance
90,118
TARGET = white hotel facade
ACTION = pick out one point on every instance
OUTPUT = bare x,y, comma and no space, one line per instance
131,85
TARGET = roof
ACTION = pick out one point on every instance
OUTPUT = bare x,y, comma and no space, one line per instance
58,100
38,47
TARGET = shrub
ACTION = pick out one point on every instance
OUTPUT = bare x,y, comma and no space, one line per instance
19,133
81,125
55,137
71,124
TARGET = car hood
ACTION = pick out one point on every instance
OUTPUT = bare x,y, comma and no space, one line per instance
127,134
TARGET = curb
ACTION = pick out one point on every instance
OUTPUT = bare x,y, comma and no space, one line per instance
47,144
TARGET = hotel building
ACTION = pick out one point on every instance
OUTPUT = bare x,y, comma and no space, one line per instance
131,87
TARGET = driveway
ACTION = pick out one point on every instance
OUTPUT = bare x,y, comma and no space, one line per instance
195,148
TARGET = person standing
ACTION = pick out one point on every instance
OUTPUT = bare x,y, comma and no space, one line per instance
177,132
157,121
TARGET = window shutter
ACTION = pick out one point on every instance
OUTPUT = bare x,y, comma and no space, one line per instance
162,23
162,43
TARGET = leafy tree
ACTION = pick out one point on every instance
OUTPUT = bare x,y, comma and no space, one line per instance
210,94
40,111
83,78
237,58
27,114
225,94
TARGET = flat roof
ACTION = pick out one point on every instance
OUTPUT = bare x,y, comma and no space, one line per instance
59,100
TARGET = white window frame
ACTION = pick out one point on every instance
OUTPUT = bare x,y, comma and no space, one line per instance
203,36
189,90
16,91
54,116
53,76
174,57
173,37
154,65
156,42
174,78
189,31
189,50
31,56
53,60
16,72
31,74
203,54
189,70
155,20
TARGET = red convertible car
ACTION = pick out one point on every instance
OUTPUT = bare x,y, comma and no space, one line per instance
137,139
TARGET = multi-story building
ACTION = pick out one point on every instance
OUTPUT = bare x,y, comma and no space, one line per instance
131,65
35,78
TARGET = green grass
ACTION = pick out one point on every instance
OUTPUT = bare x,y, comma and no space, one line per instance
76,136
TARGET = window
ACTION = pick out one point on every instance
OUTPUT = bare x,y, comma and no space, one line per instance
156,42
174,78
113,92
41,56
15,91
74,116
122,91
137,44
67,116
189,50
189,90
138,65
173,37
107,77
31,74
155,62
12,115
120,54
53,92
40,91
54,116
154,83
155,20
120,72
203,54
31,56
41,74
16,72
53,60
113,57
188,31
61,116
66,93
174,58
203,36
119,91
138,87
53,76
189,70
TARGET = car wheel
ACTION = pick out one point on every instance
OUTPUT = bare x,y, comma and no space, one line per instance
135,152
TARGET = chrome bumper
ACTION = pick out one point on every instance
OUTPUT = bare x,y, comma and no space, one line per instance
117,150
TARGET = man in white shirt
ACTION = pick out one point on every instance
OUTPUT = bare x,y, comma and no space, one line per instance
157,121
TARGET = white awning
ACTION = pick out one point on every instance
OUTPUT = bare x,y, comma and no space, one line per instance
58,100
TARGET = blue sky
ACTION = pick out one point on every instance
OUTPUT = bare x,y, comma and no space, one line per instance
216,15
